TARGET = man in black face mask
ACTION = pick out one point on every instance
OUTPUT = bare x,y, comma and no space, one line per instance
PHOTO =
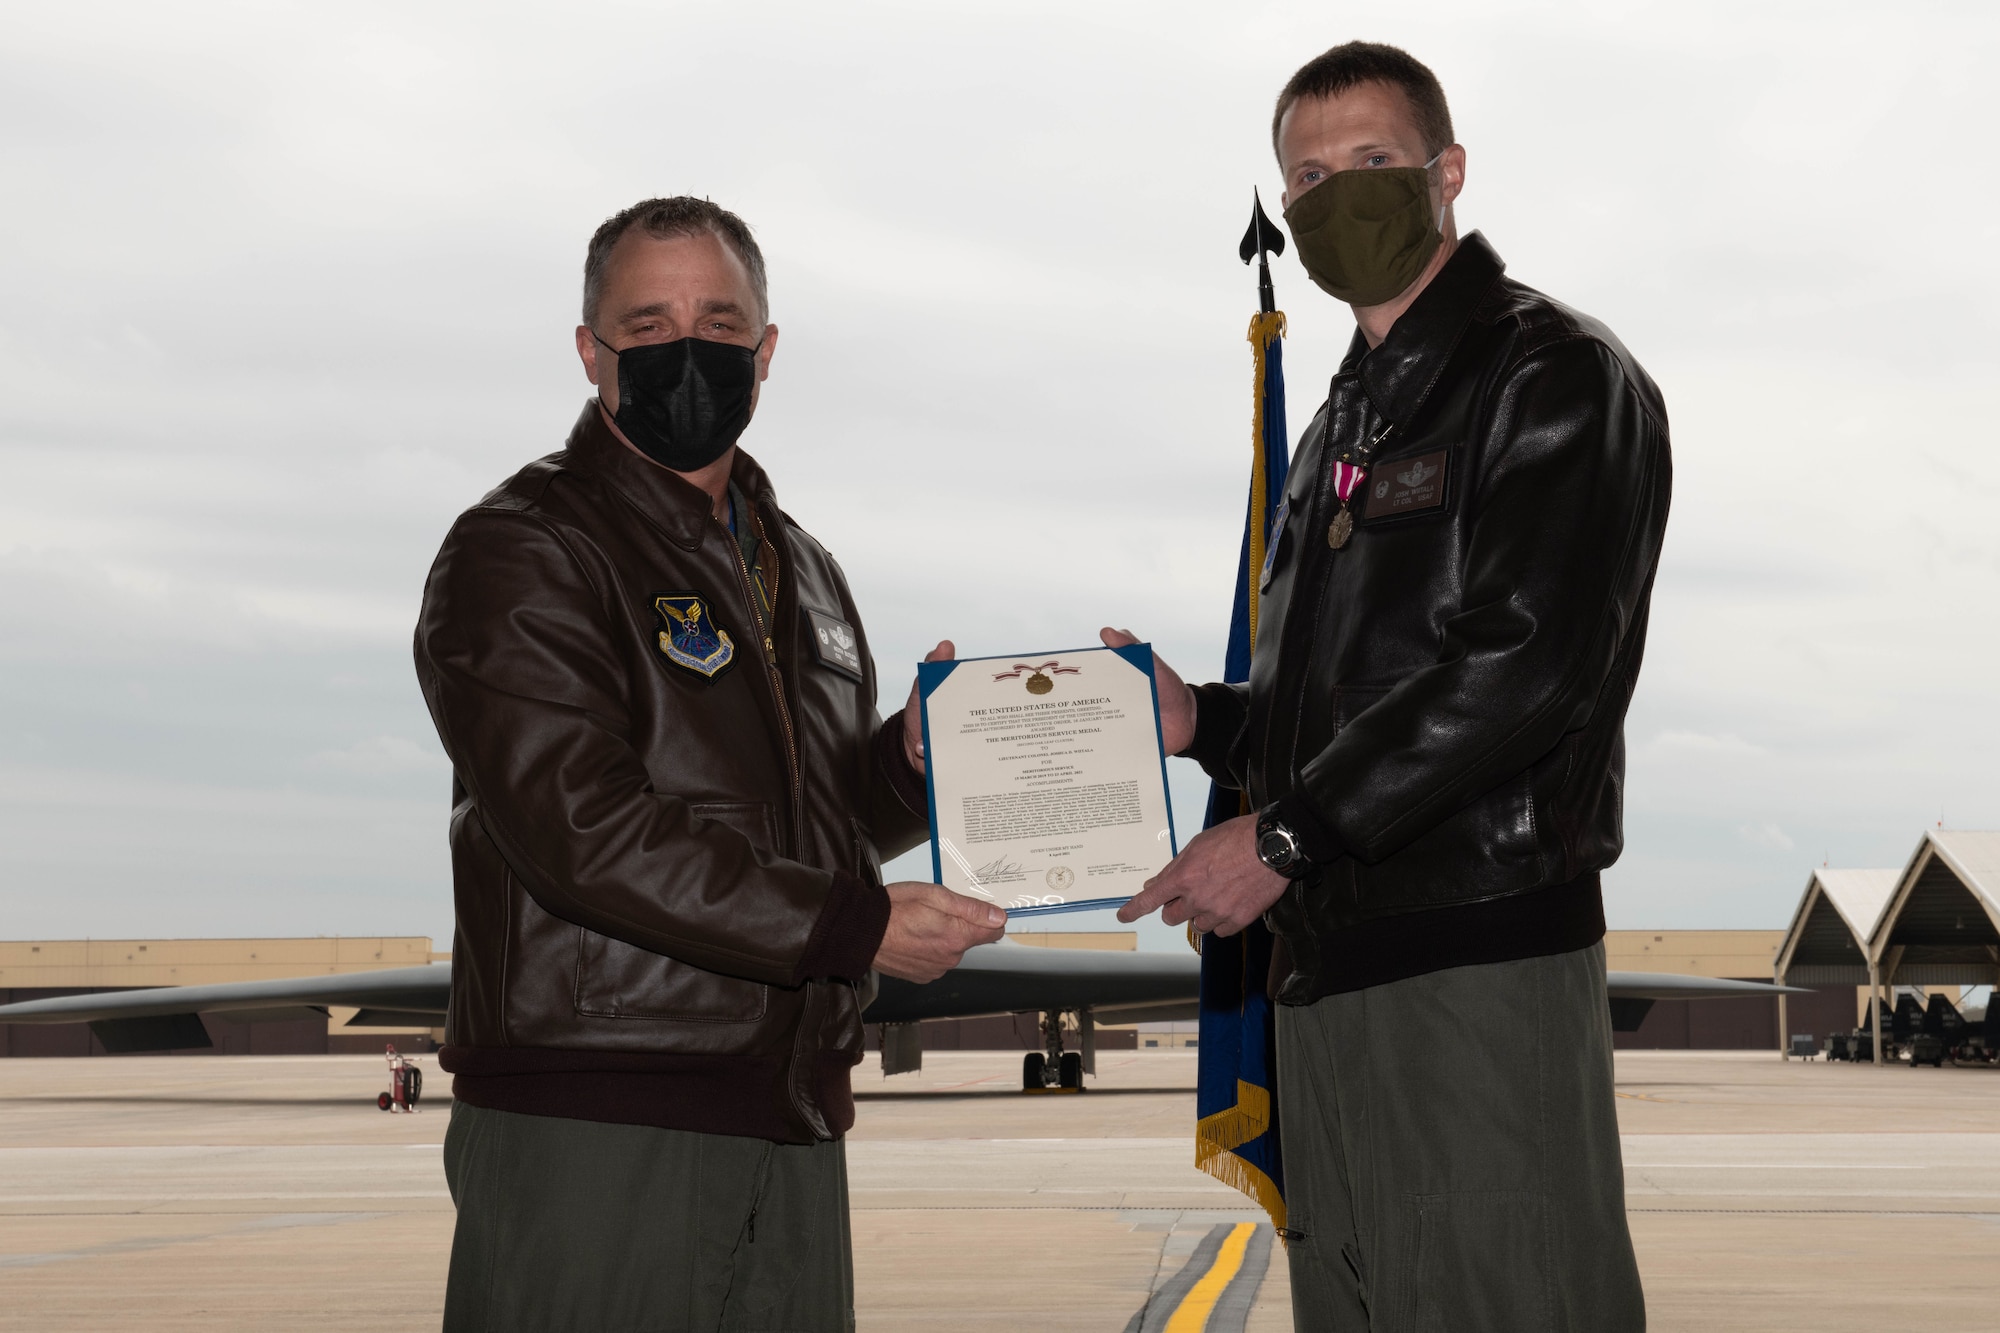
1431,748
672,797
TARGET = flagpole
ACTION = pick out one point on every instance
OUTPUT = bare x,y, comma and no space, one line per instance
1236,1131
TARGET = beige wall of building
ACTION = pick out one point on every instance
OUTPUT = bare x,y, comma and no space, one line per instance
202,962
1694,953
1165,1036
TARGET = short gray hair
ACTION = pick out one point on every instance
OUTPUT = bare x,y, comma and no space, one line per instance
681,215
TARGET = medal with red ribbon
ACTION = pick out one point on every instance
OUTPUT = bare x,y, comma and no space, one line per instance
1347,478
1039,682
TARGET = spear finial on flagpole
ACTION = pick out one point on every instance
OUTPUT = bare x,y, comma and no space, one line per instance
1261,242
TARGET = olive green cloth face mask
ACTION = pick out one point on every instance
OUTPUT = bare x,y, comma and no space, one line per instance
1365,235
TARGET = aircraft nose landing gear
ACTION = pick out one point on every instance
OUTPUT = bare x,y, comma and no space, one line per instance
1053,1069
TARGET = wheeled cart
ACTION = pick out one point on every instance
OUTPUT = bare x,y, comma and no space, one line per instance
406,1084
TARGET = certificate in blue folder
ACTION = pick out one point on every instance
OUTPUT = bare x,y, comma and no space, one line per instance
1047,778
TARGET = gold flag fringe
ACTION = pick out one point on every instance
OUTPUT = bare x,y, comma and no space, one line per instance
1240,1175
1264,326
1239,1124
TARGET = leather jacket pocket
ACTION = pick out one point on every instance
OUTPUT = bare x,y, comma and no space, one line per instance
868,865
619,980
1323,715
1488,847
1351,701
867,861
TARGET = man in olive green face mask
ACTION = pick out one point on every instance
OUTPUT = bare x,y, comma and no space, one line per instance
1368,195
1431,750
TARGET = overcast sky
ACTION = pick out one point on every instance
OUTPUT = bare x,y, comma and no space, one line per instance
284,288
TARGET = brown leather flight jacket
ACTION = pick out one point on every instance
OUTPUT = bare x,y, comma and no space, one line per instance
670,805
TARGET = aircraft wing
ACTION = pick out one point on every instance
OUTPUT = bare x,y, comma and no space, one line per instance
1673,986
165,1018
1001,978
1011,978
993,979
415,989
1632,993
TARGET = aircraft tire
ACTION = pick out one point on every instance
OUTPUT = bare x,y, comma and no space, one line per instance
1032,1066
1070,1070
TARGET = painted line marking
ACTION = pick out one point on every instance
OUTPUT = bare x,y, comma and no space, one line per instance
1191,1315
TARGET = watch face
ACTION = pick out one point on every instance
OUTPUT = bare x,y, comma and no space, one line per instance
1274,849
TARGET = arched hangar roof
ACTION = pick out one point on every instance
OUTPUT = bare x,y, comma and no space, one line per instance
1942,926
1827,944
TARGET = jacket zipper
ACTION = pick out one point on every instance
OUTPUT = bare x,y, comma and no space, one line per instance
776,677
1315,519
1323,571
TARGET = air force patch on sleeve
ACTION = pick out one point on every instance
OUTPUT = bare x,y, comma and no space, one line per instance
691,638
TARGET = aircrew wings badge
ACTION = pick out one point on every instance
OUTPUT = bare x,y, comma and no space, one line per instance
691,638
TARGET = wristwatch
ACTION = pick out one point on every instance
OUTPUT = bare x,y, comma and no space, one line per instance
1278,847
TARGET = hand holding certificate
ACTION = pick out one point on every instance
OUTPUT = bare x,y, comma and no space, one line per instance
1046,777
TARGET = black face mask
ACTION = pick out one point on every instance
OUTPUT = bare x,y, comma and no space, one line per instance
683,403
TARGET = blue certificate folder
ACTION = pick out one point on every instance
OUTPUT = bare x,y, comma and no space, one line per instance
930,675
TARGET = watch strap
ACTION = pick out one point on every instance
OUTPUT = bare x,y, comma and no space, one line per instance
1317,837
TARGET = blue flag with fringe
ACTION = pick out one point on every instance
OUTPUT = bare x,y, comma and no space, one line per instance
1236,1132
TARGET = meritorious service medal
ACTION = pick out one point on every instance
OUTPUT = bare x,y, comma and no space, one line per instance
1346,478
1038,679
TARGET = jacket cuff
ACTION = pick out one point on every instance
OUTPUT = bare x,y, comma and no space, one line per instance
1218,718
849,931
1317,838
895,767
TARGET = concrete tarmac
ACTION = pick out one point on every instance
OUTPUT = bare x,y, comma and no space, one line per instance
269,1193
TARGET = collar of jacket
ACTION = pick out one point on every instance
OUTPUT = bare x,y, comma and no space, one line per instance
1399,374
679,508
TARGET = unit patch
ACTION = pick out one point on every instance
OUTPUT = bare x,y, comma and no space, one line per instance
691,638
1407,486
836,642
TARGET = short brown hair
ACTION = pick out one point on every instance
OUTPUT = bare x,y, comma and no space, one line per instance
1351,63
681,215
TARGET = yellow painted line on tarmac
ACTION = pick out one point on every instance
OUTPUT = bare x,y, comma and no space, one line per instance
1191,1316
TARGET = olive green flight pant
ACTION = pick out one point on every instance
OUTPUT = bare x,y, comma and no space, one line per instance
1451,1155
574,1225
